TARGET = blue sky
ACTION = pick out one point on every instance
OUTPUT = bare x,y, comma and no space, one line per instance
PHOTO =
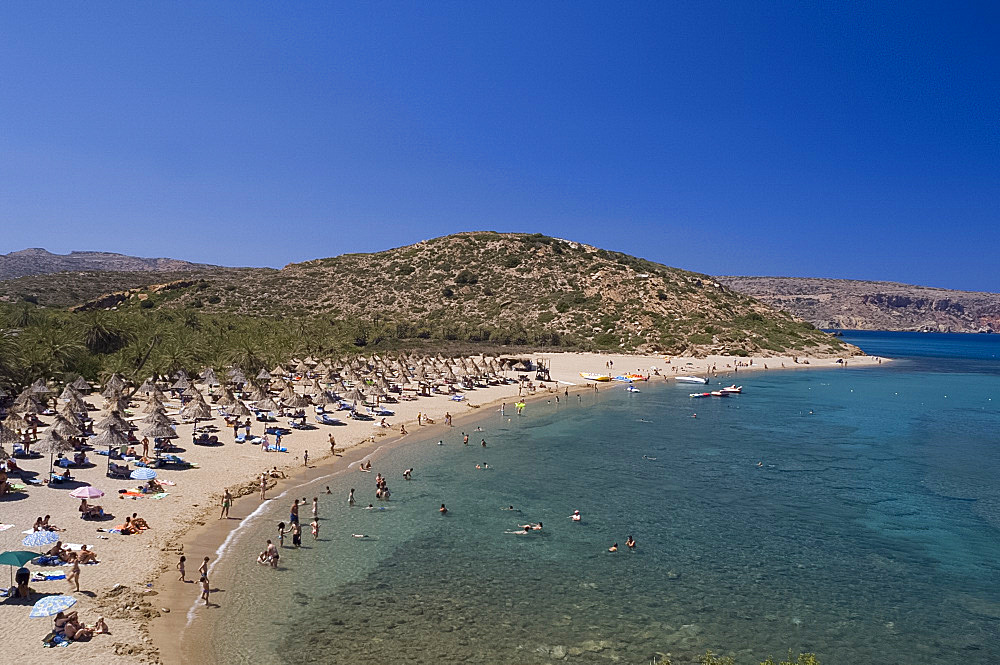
854,140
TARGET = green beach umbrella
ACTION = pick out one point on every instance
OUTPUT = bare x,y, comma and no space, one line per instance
16,559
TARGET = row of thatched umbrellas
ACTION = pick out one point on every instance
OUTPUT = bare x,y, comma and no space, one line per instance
377,376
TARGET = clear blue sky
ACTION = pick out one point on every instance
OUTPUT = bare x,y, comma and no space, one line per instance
831,139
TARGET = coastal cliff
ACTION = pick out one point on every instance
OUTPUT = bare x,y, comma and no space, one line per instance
860,305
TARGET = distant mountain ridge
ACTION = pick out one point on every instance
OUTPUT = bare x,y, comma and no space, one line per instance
38,261
865,305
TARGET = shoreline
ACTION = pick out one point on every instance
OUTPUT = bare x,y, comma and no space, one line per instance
133,583
167,631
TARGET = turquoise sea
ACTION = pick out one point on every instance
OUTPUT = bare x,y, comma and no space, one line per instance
871,533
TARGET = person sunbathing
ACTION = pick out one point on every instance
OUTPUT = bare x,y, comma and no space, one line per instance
62,620
90,511
139,523
85,555
153,486
130,452
57,550
127,529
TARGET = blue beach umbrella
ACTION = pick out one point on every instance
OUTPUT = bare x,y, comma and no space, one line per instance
52,605
40,538
143,474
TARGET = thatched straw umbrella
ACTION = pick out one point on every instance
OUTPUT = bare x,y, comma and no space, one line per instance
64,427
227,398
81,384
209,377
240,410
158,431
52,442
156,418
181,384
266,404
263,375
297,402
113,419
112,438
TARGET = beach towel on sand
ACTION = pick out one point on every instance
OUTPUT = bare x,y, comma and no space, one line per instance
4,527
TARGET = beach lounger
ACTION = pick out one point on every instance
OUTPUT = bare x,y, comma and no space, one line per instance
457,398
329,420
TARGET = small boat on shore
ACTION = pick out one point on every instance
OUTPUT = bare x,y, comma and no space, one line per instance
592,376
691,379
732,390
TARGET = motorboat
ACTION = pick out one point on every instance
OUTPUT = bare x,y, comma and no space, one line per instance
592,376
691,379
719,393
732,390
631,389
700,395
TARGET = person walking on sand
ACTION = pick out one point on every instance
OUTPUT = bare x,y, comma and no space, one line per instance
180,568
333,445
73,577
145,446
263,486
305,458
203,568
227,501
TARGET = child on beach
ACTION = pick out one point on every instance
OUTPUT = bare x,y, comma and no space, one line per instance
204,588
180,568
281,534
315,529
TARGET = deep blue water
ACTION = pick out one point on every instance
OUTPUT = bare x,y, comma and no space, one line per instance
870,534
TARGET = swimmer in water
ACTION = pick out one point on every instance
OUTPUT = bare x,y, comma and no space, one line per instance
408,473
613,548
442,509
576,517
440,443
630,543
760,465
531,527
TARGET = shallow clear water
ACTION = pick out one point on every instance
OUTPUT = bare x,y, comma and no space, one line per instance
870,534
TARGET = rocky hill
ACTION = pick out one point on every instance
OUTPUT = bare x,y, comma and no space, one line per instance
859,305
502,289
38,261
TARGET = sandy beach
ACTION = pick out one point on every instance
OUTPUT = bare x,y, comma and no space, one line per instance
135,580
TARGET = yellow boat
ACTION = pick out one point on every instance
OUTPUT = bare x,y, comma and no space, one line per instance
591,376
